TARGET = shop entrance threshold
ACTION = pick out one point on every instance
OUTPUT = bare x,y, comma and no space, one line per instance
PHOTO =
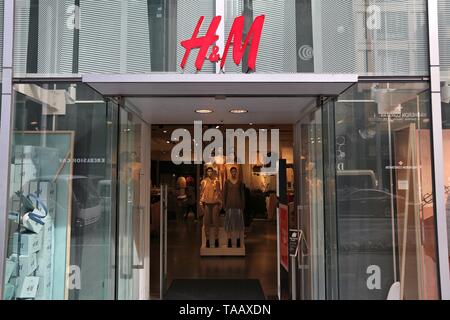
215,289
295,84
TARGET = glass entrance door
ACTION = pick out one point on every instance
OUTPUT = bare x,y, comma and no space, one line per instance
130,210
311,258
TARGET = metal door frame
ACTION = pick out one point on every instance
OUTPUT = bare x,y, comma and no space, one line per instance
163,242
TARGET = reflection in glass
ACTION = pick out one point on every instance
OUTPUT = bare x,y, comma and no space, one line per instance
130,222
311,197
386,223
444,42
376,37
61,161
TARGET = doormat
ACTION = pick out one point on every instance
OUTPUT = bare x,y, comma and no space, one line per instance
210,289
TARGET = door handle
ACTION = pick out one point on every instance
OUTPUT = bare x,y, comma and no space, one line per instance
140,266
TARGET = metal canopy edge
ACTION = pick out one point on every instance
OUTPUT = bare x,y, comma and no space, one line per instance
301,84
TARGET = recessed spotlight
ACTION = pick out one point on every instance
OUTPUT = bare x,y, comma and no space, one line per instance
204,111
168,142
239,111
165,131
217,127
251,123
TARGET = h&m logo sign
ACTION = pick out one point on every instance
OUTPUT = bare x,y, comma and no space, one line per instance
235,38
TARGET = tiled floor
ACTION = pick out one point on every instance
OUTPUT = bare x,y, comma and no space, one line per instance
184,261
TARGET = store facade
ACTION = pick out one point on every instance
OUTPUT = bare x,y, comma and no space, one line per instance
368,148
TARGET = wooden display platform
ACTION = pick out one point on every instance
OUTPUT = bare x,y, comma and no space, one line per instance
223,250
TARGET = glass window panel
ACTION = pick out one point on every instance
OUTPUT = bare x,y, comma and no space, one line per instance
385,216
130,252
444,42
62,220
444,38
376,37
312,200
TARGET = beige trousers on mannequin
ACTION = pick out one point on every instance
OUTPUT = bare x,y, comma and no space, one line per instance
211,220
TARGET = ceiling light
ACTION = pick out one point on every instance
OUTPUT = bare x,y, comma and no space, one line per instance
165,131
239,111
204,111
168,142
217,127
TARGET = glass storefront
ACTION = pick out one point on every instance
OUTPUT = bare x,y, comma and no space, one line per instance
376,37
358,179
386,232
61,227
312,206
366,201
130,209
365,196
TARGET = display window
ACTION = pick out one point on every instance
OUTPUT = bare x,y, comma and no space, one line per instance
385,227
61,209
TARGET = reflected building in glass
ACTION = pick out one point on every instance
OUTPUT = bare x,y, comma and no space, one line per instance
95,204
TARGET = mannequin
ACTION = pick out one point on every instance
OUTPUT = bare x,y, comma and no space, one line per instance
182,198
182,184
234,204
191,199
210,202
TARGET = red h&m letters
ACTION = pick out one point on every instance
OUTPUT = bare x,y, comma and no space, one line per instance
235,38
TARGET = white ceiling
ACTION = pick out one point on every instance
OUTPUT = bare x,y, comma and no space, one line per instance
173,98
261,110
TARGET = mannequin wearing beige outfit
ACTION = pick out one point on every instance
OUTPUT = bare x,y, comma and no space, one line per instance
210,201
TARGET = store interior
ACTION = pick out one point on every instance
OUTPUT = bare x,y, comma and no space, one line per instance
189,260
255,257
